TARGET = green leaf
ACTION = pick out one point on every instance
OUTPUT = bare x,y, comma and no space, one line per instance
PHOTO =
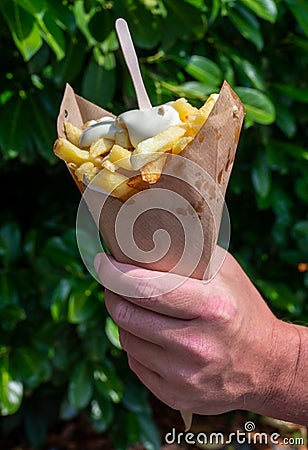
132,429
261,176
8,290
33,7
266,9
10,315
59,299
101,24
301,188
80,388
35,427
53,35
204,70
215,10
144,27
112,332
301,228
62,15
13,130
190,90
66,70
32,365
29,244
296,93
135,397
95,344
107,382
285,120
67,411
59,251
279,295
45,132
98,84
259,108
251,71
11,391
299,9
80,307
227,69
89,5
24,29
247,25
101,413
293,150
184,20
149,433
10,236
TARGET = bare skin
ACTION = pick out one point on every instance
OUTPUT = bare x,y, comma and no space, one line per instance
209,348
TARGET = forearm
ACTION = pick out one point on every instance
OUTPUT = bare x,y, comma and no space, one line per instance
287,377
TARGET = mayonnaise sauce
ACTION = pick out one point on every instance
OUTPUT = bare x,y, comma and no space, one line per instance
140,124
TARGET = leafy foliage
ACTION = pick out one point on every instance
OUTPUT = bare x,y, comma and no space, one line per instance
59,352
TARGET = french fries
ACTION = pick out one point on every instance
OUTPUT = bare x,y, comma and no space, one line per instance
100,147
114,183
145,151
72,133
150,173
102,162
87,169
121,157
67,151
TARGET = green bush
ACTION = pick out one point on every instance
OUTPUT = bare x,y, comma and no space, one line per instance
59,351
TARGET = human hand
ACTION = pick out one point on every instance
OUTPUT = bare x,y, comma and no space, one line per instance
205,348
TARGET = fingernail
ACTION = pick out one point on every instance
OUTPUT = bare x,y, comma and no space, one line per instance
97,262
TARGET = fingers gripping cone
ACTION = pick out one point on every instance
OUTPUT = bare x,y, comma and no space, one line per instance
213,150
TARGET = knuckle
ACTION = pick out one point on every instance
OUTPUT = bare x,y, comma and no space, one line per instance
221,310
188,378
148,290
123,315
132,364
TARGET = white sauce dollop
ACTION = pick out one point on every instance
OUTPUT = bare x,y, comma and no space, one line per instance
140,124
146,123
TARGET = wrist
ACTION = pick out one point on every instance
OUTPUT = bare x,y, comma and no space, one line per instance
282,390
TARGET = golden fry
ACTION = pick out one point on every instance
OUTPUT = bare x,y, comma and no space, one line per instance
72,132
206,109
138,183
181,144
113,183
146,150
109,165
88,170
69,152
121,157
100,147
151,172
184,109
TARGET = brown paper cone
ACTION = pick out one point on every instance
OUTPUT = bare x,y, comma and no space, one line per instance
213,150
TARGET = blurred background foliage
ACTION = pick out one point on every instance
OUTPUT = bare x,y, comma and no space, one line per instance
59,351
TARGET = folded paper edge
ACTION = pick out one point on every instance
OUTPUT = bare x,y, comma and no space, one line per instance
187,419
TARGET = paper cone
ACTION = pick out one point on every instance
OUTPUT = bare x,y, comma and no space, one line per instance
213,150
